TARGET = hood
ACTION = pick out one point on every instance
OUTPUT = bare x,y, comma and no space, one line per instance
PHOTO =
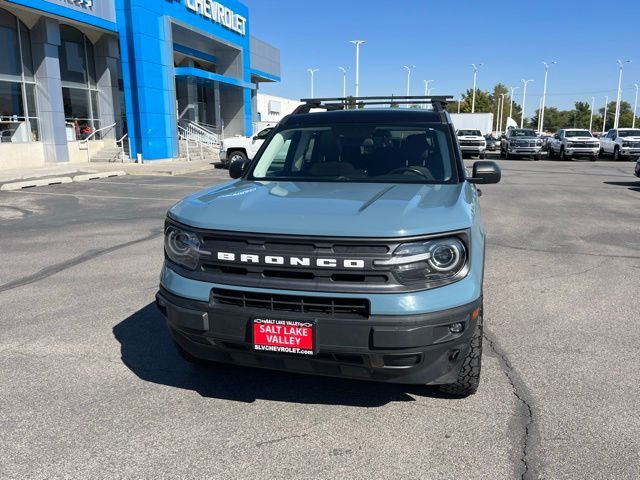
330,209
582,139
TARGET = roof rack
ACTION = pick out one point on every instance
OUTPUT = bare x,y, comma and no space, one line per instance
439,102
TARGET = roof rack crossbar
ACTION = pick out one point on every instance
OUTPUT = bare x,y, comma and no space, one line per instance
439,102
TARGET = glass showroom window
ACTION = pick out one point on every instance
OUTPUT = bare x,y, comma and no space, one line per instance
79,89
18,112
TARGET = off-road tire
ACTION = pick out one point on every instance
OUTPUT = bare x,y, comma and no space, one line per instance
469,376
616,154
563,156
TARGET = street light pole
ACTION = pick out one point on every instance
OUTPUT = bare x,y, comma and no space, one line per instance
475,75
604,117
409,68
635,107
544,94
357,43
593,101
312,71
501,113
344,81
513,89
524,100
426,89
617,117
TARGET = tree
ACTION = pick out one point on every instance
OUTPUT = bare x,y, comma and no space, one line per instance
483,101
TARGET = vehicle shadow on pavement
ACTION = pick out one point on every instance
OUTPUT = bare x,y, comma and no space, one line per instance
147,350
633,186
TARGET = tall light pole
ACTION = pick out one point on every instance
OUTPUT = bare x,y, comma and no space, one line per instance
426,90
312,71
409,68
604,117
475,75
501,113
357,43
617,117
635,107
544,94
540,110
593,101
344,80
524,100
513,89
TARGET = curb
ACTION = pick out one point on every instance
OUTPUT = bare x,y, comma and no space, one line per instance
96,176
41,182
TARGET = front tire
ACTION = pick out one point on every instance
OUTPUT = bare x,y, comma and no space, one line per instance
469,376
237,156
563,156
593,158
616,154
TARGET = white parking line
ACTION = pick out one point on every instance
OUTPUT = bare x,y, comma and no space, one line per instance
77,195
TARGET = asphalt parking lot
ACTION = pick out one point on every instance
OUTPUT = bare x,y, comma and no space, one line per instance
91,387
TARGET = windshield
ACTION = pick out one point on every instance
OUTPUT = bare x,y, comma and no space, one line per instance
629,133
359,153
470,133
522,133
577,133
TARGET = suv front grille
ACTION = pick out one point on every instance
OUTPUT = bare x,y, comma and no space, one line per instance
335,307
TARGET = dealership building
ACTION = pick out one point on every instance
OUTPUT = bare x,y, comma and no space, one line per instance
79,75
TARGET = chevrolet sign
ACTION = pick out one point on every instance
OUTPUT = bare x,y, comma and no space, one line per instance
219,14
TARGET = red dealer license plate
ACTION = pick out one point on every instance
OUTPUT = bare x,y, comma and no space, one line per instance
283,336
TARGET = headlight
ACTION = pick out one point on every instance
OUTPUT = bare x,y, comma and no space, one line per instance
539,143
625,144
182,247
569,144
435,262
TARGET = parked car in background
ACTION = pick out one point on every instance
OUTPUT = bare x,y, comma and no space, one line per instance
242,148
621,143
521,142
472,143
493,143
568,143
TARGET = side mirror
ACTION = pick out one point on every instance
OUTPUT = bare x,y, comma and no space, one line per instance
485,172
238,168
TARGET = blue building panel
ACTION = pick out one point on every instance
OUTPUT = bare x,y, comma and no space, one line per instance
145,31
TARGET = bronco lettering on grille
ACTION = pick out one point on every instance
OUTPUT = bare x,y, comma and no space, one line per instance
290,261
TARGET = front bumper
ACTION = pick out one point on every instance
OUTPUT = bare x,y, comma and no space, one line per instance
629,152
526,151
413,349
474,150
587,152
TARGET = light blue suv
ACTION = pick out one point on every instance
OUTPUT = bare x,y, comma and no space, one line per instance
351,245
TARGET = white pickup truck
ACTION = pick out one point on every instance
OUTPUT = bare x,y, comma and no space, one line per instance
472,142
622,143
242,148
573,142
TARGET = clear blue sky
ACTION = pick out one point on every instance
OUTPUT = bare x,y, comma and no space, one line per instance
443,37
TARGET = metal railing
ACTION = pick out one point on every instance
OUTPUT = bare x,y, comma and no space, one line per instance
198,133
84,143
120,145
203,140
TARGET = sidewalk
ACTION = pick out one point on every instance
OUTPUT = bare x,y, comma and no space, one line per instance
71,170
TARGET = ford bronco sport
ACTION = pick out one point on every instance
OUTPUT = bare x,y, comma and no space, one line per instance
351,246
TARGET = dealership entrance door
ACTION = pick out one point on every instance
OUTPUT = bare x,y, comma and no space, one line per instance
198,100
